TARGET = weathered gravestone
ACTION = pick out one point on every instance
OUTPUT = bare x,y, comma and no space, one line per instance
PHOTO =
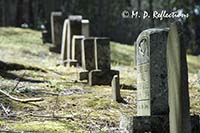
152,85
178,81
102,74
116,89
172,79
152,88
72,26
56,31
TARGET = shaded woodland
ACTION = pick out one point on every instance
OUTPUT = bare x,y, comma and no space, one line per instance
105,16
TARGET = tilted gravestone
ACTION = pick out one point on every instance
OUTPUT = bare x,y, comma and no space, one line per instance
56,31
179,115
152,86
64,40
102,74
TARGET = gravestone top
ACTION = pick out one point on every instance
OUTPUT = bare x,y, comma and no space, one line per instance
75,17
56,13
85,21
78,36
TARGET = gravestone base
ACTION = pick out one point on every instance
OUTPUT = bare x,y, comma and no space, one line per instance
102,77
55,49
71,63
145,124
153,124
83,75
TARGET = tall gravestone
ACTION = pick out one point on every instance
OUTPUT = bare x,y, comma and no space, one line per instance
152,86
178,81
64,41
74,28
56,31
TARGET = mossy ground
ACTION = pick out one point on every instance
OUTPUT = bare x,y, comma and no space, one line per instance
81,108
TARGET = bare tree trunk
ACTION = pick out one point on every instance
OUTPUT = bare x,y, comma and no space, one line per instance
151,11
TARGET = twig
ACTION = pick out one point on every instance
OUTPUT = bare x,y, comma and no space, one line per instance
21,100
18,82
49,116
5,110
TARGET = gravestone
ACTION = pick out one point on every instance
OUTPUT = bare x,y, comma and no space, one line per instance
102,74
199,75
74,28
178,81
76,49
87,57
74,25
116,89
64,41
86,27
152,86
56,31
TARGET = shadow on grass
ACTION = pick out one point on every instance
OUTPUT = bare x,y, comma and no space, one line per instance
5,67
14,66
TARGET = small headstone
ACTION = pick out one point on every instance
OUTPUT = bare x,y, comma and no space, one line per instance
56,30
199,75
116,89
76,49
152,88
178,81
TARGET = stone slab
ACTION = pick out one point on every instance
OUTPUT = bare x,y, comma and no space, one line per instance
56,31
102,53
83,75
178,80
87,51
99,77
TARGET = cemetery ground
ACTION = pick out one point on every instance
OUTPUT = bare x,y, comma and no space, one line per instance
29,70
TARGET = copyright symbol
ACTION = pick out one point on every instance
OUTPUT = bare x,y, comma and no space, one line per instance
125,14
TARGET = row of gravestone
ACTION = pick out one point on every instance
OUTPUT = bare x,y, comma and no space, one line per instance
162,76
162,84
72,39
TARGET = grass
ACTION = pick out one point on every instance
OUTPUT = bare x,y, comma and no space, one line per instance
91,107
